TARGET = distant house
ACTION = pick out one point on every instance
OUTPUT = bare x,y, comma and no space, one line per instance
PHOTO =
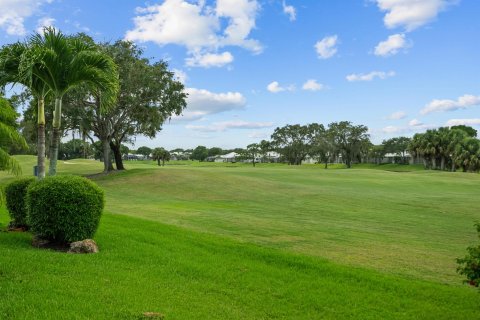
177,155
309,160
229,157
272,156
131,156
397,158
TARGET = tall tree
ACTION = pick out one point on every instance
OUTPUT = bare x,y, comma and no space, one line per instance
348,139
64,63
252,152
398,146
471,132
148,97
11,57
144,151
200,153
294,141
160,154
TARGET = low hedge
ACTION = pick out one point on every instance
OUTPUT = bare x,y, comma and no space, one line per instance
15,193
64,208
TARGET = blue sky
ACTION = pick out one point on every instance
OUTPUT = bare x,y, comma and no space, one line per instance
397,66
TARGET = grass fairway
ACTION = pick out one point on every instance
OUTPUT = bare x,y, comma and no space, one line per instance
272,242
411,223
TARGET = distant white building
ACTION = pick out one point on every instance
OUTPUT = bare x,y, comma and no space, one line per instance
229,157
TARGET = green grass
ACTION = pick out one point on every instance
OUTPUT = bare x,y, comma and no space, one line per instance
220,241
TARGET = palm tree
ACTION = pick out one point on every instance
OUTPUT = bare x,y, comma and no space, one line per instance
455,138
9,136
10,59
64,63
160,154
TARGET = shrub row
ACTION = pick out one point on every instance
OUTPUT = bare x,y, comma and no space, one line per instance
59,208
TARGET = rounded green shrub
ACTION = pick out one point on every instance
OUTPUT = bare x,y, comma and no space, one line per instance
64,208
15,193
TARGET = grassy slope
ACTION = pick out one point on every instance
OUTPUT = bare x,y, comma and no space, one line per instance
413,223
146,266
352,217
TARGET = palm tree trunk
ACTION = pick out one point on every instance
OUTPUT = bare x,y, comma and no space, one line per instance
107,165
41,139
442,164
52,170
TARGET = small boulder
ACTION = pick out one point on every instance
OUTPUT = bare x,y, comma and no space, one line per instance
84,246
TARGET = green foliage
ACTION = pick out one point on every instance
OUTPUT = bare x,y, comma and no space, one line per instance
75,149
294,142
145,151
64,208
447,148
471,132
200,153
215,151
160,154
399,147
9,137
15,193
470,265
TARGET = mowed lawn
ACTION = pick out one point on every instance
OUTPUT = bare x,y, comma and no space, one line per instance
272,242
409,223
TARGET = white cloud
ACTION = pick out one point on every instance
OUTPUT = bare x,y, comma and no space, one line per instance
397,115
369,76
202,102
209,60
395,130
407,129
180,75
462,102
14,12
312,85
44,22
226,125
467,122
326,48
415,123
411,14
391,46
199,27
258,135
290,11
275,87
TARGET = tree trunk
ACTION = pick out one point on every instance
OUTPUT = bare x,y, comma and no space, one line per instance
158,161
254,162
326,164
117,155
41,140
434,163
57,117
348,162
107,164
442,164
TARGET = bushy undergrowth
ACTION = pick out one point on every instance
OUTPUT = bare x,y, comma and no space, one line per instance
15,193
64,208
470,265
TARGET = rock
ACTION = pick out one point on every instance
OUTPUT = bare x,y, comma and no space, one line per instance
154,315
84,246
